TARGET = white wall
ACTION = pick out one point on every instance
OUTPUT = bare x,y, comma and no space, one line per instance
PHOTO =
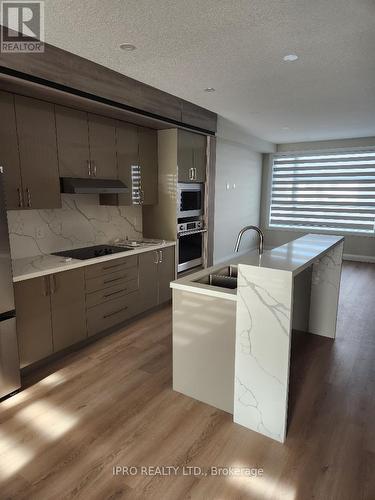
355,247
239,164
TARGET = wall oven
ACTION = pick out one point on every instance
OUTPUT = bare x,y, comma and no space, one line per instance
190,200
190,247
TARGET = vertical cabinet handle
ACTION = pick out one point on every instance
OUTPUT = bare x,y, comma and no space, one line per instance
52,284
89,167
28,197
20,197
191,174
95,169
195,174
161,256
157,257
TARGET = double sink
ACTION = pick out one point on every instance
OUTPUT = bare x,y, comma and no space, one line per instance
225,277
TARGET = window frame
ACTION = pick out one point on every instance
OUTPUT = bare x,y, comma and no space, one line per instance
317,230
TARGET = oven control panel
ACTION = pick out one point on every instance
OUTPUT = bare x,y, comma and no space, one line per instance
190,226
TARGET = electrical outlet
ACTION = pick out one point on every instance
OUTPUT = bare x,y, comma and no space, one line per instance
39,232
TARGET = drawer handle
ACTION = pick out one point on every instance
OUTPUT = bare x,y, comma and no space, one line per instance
114,293
116,312
114,265
114,279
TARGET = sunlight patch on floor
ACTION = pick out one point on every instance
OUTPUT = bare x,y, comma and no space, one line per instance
15,400
48,420
53,380
14,458
261,487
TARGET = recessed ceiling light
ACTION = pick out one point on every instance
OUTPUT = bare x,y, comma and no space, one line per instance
128,47
285,128
209,89
290,57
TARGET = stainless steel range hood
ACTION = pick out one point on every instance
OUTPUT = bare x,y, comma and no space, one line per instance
74,185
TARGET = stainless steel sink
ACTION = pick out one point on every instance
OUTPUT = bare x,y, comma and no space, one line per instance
222,278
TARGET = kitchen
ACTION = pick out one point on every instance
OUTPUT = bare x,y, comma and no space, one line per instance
187,251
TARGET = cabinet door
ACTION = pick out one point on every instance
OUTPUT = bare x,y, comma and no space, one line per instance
9,156
38,152
34,328
166,273
185,156
68,308
148,280
102,137
72,142
200,158
128,161
148,159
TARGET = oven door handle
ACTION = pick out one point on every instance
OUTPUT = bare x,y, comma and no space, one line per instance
187,233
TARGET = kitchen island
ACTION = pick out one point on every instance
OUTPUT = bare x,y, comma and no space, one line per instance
232,327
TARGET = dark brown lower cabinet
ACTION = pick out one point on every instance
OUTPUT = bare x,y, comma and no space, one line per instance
62,309
67,292
166,274
51,314
34,323
156,270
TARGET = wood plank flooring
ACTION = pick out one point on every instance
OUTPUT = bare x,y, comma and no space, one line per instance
111,404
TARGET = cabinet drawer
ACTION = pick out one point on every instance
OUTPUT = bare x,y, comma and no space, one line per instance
118,290
111,313
111,266
108,280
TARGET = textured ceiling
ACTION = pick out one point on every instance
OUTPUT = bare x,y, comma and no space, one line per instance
237,47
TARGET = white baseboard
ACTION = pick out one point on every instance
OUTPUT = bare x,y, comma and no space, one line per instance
359,258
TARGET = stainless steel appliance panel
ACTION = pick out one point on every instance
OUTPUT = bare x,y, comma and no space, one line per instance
190,202
190,250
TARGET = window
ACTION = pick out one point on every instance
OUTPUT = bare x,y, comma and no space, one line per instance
325,191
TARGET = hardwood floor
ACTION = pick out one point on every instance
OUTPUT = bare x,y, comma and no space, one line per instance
111,404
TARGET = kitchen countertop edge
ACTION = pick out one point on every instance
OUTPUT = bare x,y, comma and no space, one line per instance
27,268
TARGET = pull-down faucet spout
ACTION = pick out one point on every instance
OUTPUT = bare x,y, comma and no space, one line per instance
247,228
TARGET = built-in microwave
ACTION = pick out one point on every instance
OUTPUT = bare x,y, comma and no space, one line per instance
190,200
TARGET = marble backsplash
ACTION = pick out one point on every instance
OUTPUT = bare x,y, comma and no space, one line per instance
80,222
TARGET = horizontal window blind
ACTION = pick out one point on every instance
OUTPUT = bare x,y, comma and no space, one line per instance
334,191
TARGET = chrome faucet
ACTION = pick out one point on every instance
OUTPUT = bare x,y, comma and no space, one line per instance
247,228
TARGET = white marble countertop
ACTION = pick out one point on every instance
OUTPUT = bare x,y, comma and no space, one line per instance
294,257
41,265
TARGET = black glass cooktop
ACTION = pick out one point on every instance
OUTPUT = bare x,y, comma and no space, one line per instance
90,252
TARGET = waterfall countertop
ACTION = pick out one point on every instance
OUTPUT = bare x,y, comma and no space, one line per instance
41,265
294,257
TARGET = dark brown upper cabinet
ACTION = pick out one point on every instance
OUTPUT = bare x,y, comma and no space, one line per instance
9,154
148,160
28,153
137,158
191,157
200,157
86,144
102,138
128,161
36,130
72,142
